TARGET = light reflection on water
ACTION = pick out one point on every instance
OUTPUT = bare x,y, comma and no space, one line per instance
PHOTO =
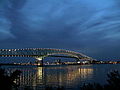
67,76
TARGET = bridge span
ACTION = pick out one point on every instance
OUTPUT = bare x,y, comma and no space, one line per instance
40,53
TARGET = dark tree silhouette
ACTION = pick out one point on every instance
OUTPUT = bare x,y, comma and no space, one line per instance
7,81
54,88
90,86
113,83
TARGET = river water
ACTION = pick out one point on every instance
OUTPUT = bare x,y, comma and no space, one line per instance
67,76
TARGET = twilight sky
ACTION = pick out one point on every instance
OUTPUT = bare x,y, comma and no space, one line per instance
91,27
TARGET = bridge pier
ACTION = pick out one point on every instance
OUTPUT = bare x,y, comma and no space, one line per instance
39,61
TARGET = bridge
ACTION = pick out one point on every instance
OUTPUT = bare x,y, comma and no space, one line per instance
40,53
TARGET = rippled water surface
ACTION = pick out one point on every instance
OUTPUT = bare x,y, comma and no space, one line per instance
70,77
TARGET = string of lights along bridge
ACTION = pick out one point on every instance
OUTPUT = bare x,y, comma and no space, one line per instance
40,53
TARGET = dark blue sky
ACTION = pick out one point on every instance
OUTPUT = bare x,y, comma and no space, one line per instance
88,26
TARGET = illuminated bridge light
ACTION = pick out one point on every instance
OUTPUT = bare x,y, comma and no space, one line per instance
34,48
14,49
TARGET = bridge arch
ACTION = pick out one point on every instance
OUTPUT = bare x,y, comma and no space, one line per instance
40,53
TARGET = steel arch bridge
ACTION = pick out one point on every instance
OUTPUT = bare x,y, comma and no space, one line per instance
40,53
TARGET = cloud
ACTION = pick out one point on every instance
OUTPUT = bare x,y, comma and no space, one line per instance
102,26
5,29
74,24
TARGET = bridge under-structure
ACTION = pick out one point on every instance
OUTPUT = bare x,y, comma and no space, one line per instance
40,53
